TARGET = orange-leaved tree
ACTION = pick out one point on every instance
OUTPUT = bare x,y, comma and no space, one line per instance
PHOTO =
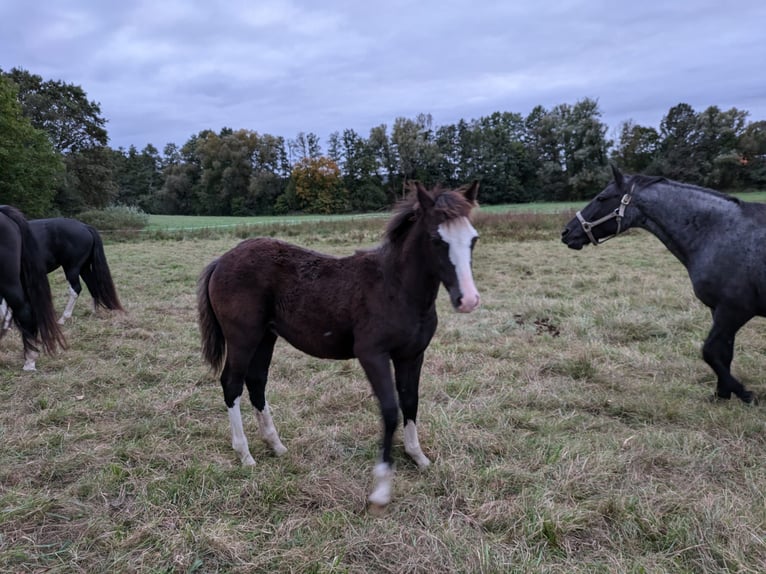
319,185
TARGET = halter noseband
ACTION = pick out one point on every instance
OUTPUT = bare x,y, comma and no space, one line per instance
617,213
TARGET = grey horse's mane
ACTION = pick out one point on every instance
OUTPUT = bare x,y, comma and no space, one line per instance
641,181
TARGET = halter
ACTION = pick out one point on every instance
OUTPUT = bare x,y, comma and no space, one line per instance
617,213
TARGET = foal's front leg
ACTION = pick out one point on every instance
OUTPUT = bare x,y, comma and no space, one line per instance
378,370
407,372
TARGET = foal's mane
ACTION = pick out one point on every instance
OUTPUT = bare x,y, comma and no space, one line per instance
448,204
641,181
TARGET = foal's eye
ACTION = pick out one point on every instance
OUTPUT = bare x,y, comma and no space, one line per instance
473,241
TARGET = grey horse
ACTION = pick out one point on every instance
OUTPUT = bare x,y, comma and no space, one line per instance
720,240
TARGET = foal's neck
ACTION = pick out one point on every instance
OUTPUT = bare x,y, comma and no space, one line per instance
411,271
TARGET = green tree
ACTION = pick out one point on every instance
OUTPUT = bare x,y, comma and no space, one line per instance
546,153
584,148
719,135
356,159
270,174
385,161
414,149
181,174
752,146
29,167
138,176
88,182
679,138
61,110
501,159
637,148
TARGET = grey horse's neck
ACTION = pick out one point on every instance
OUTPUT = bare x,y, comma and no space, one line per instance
685,217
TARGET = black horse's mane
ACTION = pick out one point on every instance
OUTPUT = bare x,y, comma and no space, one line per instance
641,181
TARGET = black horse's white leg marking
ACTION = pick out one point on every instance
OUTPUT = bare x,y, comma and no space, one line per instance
73,295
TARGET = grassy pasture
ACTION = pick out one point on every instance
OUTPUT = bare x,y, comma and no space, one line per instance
566,419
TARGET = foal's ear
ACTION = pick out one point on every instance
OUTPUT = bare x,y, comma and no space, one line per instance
424,198
472,191
618,179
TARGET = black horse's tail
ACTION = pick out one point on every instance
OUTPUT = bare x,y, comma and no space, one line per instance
101,285
37,290
213,342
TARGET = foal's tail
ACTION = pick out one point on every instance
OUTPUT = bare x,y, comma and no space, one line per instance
213,342
102,286
37,290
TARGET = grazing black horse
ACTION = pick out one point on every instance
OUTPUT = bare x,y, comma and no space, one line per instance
79,250
377,305
24,287
719,239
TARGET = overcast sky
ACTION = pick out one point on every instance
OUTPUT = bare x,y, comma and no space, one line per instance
163,70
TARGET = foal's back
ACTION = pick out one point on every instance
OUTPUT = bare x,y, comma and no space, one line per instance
314,301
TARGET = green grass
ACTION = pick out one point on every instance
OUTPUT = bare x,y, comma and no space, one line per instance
567,421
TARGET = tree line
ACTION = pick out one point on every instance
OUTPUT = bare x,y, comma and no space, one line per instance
55,158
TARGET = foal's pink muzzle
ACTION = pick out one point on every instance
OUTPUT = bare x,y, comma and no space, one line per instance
469,303
471,298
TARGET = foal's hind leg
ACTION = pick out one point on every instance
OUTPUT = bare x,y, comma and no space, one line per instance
233,381
718,352
407,373
256,378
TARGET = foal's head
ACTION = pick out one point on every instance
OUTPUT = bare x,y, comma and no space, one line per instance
442,217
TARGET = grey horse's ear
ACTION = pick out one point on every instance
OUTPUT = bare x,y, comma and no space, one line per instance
618,178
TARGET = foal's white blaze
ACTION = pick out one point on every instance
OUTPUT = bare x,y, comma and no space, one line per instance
458,233
269,431
412,444
383,479
69,306
238,438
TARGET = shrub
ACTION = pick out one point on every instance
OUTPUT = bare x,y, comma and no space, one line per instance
116,221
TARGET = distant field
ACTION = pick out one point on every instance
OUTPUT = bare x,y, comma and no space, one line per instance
180,222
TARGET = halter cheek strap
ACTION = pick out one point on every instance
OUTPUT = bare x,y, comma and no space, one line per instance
618,214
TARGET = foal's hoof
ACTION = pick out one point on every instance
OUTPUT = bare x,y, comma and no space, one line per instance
715,397
749,398
376,509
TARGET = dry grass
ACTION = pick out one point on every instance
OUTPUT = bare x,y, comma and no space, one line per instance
567,421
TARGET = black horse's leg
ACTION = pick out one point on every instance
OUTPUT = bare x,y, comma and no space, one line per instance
233,381
256,378
377,367
407,374
718,352
23,315
75,288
